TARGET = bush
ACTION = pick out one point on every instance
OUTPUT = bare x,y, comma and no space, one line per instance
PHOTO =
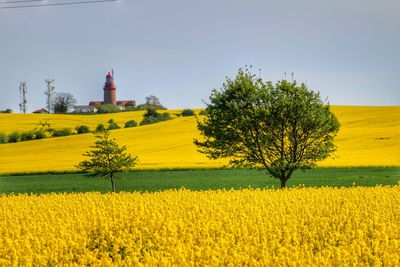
165,116
152,116
100,127
203,112
154,119
14,137
3,138
151,112
130,108
187,112
148,120
27,136
40,135
131,123
108,108
62,132
113,126
82,129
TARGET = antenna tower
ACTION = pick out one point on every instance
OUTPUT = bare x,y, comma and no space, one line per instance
49,93
23,90
292,77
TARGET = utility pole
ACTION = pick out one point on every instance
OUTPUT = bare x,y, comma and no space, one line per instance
49,93
23,90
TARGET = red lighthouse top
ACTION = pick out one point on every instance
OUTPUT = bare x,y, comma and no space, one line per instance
109,85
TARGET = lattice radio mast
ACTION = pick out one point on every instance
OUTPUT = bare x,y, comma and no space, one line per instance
23,90
49,93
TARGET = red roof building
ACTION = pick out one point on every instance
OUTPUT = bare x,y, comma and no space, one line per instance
40,111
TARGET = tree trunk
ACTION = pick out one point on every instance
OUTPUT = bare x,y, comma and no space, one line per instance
112,183
283,182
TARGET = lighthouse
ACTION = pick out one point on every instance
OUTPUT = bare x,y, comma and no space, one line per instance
110,89
109,98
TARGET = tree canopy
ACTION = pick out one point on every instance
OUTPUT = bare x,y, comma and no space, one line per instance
63,102
281,127
107,158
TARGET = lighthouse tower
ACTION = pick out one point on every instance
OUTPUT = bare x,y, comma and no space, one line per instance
109,89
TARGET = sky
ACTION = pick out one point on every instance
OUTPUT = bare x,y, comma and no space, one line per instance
179,50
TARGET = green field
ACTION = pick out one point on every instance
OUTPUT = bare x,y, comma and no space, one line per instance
196,180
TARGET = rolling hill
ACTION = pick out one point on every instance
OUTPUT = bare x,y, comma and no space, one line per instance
370,136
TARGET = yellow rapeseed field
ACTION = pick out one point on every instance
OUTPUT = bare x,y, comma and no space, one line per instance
369,136
294,227
28,122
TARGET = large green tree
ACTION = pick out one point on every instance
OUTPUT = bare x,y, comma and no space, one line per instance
281,128
107,158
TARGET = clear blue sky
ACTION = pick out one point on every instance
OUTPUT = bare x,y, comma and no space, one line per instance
179,50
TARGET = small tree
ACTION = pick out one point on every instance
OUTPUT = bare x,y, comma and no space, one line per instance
107,158
280,128
62,102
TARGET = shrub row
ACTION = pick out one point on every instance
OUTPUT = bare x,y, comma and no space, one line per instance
15,137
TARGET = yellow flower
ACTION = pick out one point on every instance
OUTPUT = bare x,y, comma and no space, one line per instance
299,226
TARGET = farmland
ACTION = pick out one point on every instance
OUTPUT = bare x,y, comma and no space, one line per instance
306,226
222,217
370,136
196,179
